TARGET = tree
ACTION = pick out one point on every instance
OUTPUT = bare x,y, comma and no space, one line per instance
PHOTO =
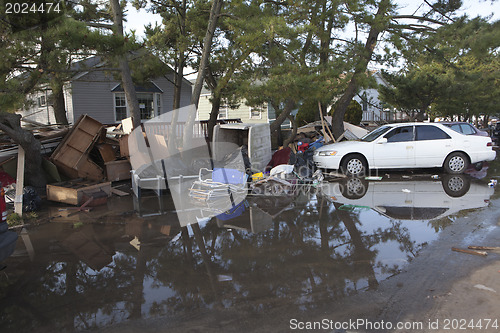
354,113
240,35
415,90
40,47
184,23
453,74
307,113
300,65
24,53
127,83
204,58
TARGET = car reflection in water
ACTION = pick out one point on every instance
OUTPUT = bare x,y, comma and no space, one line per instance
423,199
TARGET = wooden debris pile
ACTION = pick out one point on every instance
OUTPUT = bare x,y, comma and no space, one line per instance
91,156
92,152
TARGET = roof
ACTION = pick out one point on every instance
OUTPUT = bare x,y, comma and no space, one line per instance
84,67
149,87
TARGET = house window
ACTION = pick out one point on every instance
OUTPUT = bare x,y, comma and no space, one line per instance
42,101
120,106
256,112
365,102
146,105
223,111
149,105
158,104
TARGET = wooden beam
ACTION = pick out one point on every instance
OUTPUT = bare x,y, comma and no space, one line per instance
18,201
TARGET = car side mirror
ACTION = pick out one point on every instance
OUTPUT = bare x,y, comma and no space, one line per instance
382,141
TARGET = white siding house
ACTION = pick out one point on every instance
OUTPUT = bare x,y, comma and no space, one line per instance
373,108
247,114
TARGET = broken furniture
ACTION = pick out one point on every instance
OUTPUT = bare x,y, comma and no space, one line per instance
223,183
77,191
72,155
117,170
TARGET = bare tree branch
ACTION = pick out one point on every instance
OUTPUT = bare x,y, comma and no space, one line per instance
420,18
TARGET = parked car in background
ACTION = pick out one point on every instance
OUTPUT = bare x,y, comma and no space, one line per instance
406,145
495,135
464,128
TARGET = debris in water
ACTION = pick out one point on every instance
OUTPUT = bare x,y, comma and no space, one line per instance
373,178
224,278
485,248
405,190
482,287
478,253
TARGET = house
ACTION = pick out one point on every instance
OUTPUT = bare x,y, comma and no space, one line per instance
96,91
372,106
264,113
374,110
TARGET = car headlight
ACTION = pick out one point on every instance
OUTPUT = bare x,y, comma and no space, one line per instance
327,153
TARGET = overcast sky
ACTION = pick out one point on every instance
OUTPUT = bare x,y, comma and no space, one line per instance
137,19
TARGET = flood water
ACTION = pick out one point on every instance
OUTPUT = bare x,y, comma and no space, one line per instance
128,261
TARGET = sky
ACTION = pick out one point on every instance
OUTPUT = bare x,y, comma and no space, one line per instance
137,19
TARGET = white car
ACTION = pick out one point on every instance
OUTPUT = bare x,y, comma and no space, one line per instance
404,146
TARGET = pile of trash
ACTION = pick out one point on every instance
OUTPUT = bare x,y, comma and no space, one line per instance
287,173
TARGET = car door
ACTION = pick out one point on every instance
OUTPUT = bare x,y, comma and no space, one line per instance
398,151
432,145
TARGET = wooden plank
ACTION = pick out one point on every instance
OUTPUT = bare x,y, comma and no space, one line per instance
18,202
477,253
124,152
90,170
107,153
119,192
67,193
485,248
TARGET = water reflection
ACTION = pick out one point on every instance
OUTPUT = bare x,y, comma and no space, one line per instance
421,199
296,253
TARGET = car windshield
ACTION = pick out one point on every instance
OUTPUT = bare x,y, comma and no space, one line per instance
375,134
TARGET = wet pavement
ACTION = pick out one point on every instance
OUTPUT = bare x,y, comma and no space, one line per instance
131,261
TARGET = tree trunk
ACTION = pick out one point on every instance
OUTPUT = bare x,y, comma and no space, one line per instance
127,83
178,77
214,114
293,132
207,47
359,70
11,125
218,87
59,103
289,106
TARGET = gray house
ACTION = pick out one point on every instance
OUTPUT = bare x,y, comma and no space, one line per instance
95,91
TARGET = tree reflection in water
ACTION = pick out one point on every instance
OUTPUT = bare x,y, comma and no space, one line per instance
311,253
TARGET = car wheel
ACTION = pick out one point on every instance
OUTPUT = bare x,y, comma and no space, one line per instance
354,165
456,185
456,163
354,188
478,166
